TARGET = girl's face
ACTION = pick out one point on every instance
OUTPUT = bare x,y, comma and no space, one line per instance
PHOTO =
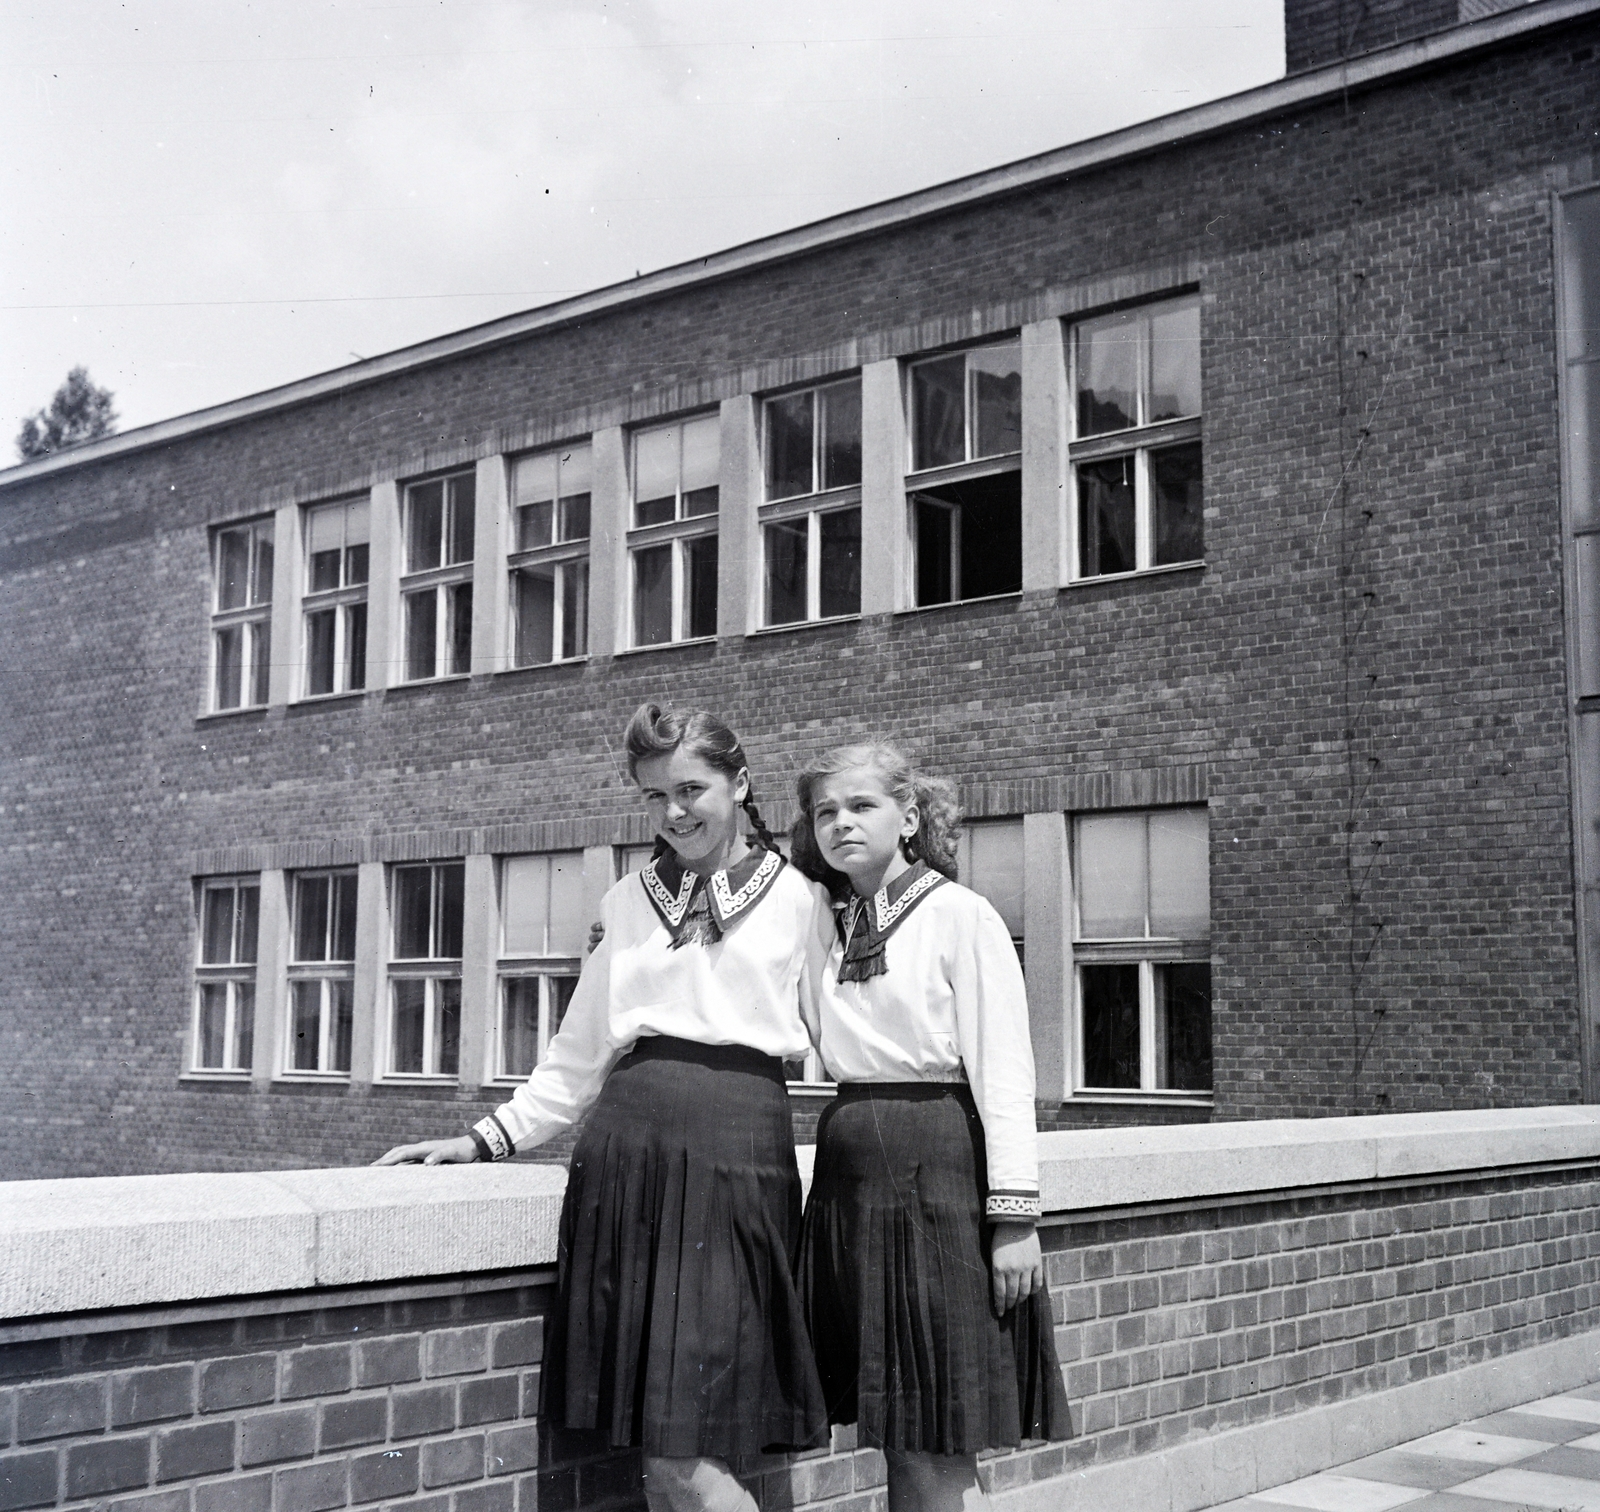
692,806
859,826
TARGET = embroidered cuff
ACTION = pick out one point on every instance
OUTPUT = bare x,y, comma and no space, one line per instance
1020,1206
497,1143
480,1145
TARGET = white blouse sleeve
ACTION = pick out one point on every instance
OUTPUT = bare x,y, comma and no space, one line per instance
991,1003
566,1082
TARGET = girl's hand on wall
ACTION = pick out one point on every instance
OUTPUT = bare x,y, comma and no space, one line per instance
457,1151
1017,1264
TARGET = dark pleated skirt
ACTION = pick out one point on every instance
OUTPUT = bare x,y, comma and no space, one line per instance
677,1326
894,1276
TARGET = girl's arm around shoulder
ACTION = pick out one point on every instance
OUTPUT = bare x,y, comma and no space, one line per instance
820,934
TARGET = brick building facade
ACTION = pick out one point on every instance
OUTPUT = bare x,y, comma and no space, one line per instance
1215,500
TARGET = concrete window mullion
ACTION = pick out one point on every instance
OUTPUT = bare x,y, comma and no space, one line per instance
287,574
372,931
479,950
490,580
608,528
1047,914
272,978
739,494
1044,450
384,660
885,550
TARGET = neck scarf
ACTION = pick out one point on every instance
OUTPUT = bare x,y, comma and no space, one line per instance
699,908
865,924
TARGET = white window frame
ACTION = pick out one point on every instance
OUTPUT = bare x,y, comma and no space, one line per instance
1138,442
432,970
341,601
678,533
545,967
233,975
322,972
253,619
563,555
443,581
1147,952
812,511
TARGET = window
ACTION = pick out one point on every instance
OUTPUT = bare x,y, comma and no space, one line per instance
632,858
1142,951
322,974
811,546
550,556
1136,448
436,589
989,860
241,615
542,937
335,601
673,542
225,975
425,970
965,504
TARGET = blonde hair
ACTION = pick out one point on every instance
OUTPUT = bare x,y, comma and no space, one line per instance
935,798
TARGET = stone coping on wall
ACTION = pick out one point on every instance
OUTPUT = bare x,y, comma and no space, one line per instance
90,1243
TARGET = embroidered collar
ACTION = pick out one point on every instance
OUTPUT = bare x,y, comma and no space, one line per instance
694,907
865,924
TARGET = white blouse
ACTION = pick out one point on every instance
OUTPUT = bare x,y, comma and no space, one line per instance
951,1003
756,986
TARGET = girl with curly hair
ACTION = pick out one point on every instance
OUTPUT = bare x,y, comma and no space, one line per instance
677,1324
920,1267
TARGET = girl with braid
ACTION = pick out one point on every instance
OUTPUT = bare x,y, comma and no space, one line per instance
677,1325
920,1269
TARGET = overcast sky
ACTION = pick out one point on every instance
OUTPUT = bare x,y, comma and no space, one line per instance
203,198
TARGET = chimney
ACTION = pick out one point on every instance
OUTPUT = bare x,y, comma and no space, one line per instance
1319,32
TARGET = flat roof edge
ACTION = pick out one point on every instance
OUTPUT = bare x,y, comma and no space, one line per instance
1296,90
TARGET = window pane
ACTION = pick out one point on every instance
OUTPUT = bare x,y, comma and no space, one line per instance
995,847
786,571
577,472
655,475
1180,874
699,501
652,596
260,660
1183,1009
535,525
344,917
1113,880
216,926
452,876
1106,517
211,1045
229,645
405,1049
357,522
700,586
533,490
1174,362
997,399
1177,503
341,1004
244,1025
1110,1025
702,457
841,562
305,1025
311,918
413,898
463,493
569,929
261,591
422,612
519,1025
789,446
446,1027
560,990
1583,427
1581,265
320,651
535,601
248,922
233,569
840,407
526,905
575,609
424,526
935,544
1586,550
1108,373
355,564
574,517
324,547
938,412
355,644
460,602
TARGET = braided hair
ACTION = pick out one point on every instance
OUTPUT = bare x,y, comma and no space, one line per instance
658,731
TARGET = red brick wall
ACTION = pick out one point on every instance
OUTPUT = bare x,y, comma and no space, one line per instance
1371,673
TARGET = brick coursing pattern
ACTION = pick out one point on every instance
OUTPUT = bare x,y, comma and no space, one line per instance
1377,291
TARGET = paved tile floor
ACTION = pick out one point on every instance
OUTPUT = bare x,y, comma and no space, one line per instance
1544,1454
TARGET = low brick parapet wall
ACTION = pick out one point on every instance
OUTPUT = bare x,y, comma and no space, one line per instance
1234,1303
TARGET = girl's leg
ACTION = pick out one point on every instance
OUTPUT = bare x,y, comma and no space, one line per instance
921,1482
693,1485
